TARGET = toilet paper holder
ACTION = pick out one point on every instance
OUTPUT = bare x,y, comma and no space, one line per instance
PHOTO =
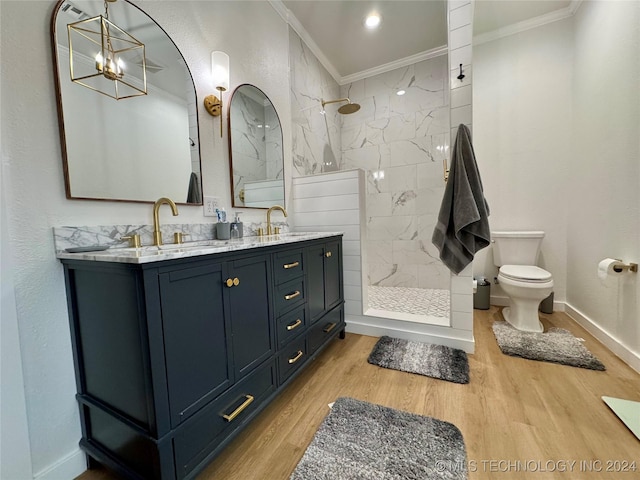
622,267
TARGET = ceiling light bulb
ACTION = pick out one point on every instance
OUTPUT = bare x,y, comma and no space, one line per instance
400,92
372,21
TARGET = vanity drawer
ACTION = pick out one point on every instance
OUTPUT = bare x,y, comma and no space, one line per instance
291,325
291,358
199,436
289,295
287,266
325,328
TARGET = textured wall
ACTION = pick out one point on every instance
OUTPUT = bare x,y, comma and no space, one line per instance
603,204
522,137
34,192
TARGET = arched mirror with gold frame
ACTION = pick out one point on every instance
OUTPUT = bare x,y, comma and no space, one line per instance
256,154
135,149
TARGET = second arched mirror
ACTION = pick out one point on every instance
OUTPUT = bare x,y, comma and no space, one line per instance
255,150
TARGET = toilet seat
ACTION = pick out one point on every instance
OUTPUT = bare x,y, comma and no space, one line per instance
525,273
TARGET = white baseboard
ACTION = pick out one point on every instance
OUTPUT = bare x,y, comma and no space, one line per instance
69,467
628,356
377,327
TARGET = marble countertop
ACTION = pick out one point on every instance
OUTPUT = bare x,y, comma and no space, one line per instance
148,254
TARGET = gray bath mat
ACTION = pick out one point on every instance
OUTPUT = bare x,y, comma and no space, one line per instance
360,440
557,345
435,361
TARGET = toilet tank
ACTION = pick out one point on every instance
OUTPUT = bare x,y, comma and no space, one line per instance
516,248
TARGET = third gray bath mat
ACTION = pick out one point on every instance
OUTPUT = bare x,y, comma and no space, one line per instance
557,345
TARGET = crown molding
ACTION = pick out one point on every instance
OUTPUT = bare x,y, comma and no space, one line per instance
387,67
525,25
294,23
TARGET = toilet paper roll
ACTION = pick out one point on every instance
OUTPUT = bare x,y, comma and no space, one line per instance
608,266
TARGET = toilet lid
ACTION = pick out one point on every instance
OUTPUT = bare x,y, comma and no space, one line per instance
525,273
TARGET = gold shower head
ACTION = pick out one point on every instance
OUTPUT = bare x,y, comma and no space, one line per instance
344,109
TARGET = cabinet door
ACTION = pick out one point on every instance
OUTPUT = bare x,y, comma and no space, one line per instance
251,313
315,281
332,274
324,278
196,337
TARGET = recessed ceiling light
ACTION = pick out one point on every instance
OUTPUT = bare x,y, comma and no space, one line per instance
372,21
400,92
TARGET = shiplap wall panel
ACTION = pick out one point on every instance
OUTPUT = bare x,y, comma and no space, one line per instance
334,202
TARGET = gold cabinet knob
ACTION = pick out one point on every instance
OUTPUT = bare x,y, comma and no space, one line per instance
236,282
229,282
328,254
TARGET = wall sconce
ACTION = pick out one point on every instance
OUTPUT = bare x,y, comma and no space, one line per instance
220,74
104,72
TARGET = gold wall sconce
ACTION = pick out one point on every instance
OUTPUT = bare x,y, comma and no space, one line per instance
118,69
220,75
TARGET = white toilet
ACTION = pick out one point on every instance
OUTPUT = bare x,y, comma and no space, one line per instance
516,253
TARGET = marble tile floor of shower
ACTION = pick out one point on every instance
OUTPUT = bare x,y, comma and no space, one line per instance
421,305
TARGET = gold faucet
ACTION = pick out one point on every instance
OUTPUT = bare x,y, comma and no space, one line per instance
275,207
157,235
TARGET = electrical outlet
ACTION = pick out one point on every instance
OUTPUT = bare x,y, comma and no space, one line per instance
210,205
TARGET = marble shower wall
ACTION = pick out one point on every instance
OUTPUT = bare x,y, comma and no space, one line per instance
401,141
315,137
274,147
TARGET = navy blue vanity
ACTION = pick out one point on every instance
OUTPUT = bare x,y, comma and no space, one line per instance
176,351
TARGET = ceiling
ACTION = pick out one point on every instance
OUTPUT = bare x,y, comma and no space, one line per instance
408,28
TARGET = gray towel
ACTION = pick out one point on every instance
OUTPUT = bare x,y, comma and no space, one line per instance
463,221
193,194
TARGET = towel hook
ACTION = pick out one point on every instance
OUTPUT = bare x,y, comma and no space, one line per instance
461,76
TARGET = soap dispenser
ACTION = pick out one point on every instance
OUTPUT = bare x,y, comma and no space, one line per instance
237,224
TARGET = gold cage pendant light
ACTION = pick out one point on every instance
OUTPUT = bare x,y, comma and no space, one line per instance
118,69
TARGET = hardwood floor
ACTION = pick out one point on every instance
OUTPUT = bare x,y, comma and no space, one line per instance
515,414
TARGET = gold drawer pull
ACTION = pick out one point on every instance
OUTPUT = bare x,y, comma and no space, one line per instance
286,266
229,282
239,410
328,254
296,358
295,324
292,295
329,327
236,282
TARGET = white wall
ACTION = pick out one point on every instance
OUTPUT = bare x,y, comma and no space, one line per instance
15,455
255,38
603,189
556,133
522,139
